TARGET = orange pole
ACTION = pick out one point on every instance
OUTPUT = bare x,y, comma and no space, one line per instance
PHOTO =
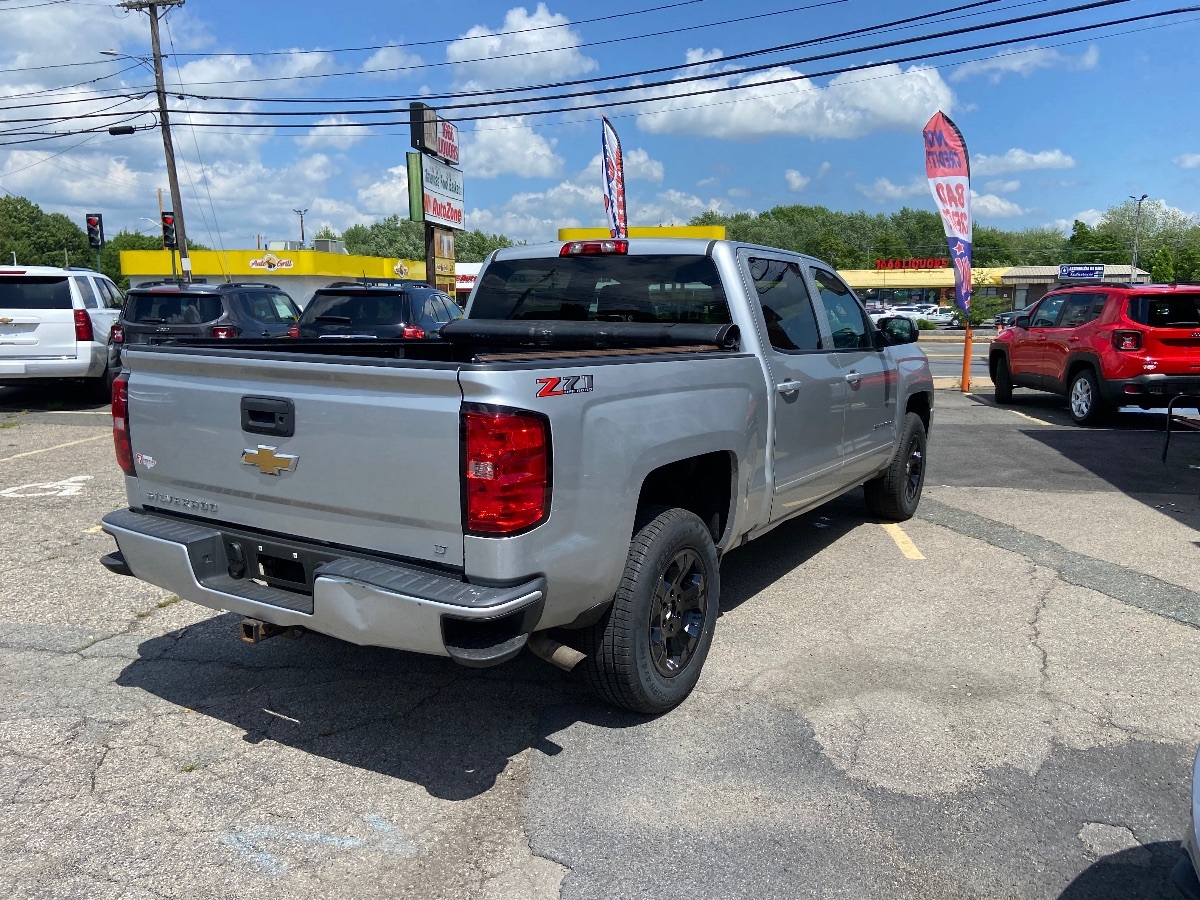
966,372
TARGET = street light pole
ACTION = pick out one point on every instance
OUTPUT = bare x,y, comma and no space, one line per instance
1137,226
300,213
151,7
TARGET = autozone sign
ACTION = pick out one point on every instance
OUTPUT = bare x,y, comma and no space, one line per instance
435,192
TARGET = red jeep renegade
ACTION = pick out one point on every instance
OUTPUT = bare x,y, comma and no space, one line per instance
1103,346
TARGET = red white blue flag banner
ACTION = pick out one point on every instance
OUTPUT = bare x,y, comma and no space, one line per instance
614,182
949,172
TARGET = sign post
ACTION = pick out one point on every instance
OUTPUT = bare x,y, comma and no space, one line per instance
435,191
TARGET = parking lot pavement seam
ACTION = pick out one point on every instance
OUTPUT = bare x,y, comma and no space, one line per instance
1124,585
87,440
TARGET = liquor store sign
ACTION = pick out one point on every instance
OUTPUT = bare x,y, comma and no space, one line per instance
923,263
435,192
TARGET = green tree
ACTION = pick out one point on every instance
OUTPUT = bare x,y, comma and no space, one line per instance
326,234
39,238
391,237
474,246
1162,265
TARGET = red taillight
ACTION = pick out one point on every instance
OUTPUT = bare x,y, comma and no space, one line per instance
117,334
1127,340
120,419
594,248
412,332
224,331
294,331
507,477
83,326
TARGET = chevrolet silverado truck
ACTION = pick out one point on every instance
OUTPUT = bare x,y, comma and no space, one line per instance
563,469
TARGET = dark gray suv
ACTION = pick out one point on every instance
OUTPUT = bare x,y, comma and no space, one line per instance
380,309
163,311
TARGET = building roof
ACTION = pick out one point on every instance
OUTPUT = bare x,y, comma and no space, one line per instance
1049,274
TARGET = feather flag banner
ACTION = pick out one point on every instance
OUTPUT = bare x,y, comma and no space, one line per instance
949,173
614,182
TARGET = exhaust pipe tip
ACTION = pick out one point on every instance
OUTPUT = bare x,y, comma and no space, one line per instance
560,655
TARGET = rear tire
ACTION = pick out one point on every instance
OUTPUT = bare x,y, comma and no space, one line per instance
896,493
1083,397
1002,381
646,652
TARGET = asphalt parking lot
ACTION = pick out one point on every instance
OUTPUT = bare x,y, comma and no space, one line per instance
999,699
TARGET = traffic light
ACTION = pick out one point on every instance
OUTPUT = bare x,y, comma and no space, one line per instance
95,230
168,225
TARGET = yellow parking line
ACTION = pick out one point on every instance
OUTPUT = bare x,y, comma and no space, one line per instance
99,437
1031,418
904,542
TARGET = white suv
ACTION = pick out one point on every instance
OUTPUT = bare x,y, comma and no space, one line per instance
54,323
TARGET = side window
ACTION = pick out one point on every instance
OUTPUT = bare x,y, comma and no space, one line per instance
851,329
284,310
786,304
112,296
1047,312
87,290
1078,310
261,307
452,310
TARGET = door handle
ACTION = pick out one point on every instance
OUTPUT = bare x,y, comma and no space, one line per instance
853,377
787,387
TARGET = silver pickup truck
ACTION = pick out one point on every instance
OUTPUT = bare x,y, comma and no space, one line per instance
562,468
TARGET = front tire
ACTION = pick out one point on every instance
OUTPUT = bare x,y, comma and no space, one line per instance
1084,398
1003,381
646,653
896,493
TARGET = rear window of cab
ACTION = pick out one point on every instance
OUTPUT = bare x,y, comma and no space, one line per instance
172,308
666,289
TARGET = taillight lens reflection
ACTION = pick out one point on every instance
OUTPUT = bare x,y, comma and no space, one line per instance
224,331
120,424
83,326
507,477
117,334
413,332
1127,340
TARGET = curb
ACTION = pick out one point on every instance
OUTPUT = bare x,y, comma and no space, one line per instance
953,383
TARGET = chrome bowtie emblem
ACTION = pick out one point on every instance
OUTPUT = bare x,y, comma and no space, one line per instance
268,461
6,321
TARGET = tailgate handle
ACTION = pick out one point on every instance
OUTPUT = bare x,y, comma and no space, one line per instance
268,415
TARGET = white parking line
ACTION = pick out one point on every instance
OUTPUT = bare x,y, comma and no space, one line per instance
1031,418
99,437
903,541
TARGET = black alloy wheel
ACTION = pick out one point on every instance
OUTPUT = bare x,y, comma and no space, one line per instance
677,613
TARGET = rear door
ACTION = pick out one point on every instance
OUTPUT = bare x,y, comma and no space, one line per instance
37,320
870,427
1064,338
371,460
808,390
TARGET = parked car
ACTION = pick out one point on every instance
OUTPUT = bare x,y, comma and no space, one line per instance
942,316
1103,347
562,470
161,311
55,323
1005,319
382,309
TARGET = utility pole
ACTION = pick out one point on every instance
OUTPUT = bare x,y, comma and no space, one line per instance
151,7
1137,226
300,213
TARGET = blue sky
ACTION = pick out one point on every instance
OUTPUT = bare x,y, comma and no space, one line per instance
1057,128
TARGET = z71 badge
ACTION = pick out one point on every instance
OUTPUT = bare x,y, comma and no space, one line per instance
564,384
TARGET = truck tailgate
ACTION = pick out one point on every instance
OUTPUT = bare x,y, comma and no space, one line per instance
372,461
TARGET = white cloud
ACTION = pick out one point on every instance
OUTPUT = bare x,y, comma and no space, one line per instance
706,182
513,148
670,207
796,181
1188,161
1020,161
993,206
387,196
1089,217
824,169
1002,187
390,62
1025,62
543,46
852,105
639,166
884,190
344,135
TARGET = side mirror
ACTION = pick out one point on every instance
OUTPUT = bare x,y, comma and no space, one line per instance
899,330
1021,322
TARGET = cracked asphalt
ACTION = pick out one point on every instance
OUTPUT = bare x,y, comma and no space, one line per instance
1012,716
